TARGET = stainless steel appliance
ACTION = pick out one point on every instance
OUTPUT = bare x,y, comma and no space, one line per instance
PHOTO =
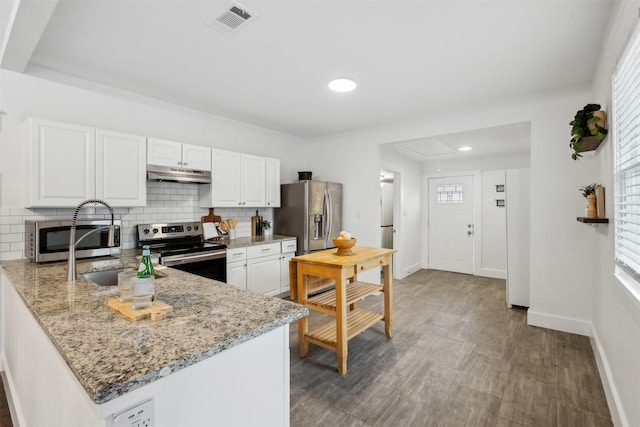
166,173
386,218
311,211
180,245
49,240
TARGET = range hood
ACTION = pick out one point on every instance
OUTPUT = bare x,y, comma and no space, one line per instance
167,173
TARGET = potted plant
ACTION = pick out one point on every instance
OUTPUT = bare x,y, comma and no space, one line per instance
589,192
588,122
266,226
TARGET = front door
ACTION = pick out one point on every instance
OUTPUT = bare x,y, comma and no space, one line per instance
451,224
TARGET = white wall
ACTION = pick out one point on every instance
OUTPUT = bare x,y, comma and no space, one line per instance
493,252
616,311
518,238
408,224
559,297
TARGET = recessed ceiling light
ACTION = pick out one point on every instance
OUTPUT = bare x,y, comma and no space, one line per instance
342,85
464,148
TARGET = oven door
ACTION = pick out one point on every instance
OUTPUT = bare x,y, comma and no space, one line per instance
212,265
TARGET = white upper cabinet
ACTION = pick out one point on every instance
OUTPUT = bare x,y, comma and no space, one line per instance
121,168
61,164
161,152
196,157
272,182
253,178
68,164
238,180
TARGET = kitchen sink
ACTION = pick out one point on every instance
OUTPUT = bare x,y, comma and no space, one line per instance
104,278
109,277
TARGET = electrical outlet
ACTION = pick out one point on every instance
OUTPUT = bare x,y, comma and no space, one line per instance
138,416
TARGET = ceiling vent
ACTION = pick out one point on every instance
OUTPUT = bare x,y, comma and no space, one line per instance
231,18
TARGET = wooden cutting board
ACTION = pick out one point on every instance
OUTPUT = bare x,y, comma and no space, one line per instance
211,217
157,311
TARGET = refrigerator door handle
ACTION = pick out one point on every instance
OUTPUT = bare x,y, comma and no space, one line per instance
329,221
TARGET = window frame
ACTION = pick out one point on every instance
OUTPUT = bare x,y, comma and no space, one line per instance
624,272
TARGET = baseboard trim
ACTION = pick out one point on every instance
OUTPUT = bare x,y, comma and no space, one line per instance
15,409
613,397
410,270
559,323
494,274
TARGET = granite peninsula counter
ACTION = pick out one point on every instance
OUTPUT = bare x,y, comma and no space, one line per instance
112,356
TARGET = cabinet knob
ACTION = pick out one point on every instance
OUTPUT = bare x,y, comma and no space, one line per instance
239,203
185,164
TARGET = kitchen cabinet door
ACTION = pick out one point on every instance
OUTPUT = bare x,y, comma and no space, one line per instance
237,274
225,189
263,275
284,271
272,183
62,164
121,168
196,157
253,181
164,153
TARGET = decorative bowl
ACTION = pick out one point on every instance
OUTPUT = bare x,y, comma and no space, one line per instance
344,246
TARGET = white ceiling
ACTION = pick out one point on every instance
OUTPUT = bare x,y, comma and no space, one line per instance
409,58
509,139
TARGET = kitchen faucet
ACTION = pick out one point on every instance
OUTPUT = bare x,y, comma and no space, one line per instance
72,236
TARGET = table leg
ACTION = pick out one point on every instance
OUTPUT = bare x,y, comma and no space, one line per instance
388,298
341,324
303,323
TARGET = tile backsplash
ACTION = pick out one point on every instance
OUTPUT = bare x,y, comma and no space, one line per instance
166,202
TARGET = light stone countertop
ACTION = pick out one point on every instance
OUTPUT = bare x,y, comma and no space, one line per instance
112,355
255,240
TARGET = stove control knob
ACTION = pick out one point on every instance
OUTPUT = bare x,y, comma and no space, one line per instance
155,230
195,227
188,228
146,231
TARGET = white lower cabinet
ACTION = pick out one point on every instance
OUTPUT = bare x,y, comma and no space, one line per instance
237,267
284,271
262,268
263,274
288,249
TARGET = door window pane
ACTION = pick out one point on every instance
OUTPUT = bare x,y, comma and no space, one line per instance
449,193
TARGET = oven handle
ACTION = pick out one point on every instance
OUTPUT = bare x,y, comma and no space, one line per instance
185,259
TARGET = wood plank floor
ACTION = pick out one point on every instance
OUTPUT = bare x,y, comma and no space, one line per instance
5,415
458,357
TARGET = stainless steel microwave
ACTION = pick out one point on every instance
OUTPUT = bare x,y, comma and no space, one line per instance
49,240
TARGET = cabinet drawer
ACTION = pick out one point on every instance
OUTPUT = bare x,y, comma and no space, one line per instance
372,263
257,251
289,246
236,254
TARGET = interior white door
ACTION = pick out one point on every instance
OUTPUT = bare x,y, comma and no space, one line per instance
451,224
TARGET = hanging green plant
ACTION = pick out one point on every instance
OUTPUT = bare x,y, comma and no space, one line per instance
589,121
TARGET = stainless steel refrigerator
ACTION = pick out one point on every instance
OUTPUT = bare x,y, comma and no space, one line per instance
311,211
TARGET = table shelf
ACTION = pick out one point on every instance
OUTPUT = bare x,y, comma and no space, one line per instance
358,320
356,291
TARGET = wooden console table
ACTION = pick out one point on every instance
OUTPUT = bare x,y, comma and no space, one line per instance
342,301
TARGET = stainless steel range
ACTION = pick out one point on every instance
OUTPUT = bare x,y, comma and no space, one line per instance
180,246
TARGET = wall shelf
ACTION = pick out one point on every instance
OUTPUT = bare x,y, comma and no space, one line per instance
593,221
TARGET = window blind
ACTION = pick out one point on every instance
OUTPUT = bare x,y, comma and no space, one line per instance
626,124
